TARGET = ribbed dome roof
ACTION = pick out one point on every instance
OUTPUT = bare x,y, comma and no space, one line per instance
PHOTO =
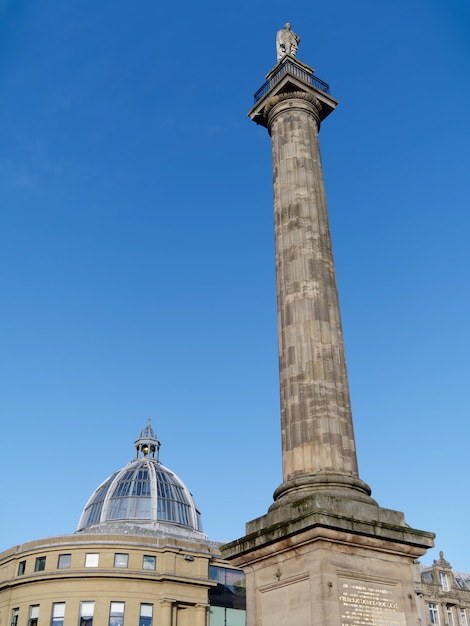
145,493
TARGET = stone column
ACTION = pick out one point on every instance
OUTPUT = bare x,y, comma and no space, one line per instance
325,547
166,612
201,615
317,430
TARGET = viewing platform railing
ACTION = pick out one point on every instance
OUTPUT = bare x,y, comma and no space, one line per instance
291,68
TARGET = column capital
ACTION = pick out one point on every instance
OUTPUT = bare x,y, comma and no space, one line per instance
304,100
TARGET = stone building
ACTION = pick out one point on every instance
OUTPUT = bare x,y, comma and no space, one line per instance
139,556
442,594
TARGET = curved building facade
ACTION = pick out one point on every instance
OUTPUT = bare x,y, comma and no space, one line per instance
139,557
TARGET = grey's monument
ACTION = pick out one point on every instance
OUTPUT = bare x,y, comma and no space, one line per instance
325,553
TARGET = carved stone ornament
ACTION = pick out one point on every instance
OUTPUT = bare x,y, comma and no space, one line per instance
301,95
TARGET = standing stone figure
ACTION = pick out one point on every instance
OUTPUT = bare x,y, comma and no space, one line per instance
287,42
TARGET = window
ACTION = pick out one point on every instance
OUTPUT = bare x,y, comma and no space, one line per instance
40,564
434,614
444,580
92,512
33,615
131,496
149,562
64,561
222,616
14,617
21,568
58,612
92,559
121,560
86,613
463,617
116,614
231,588
450,615
146,614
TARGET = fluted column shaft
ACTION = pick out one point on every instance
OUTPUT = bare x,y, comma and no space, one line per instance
317,429
201,615
166,615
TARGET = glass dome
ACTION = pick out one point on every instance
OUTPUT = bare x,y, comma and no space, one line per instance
144,493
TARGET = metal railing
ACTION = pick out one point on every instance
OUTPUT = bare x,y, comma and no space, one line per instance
295,70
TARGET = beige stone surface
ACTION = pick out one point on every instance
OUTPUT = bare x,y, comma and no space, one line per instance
317,555
177,588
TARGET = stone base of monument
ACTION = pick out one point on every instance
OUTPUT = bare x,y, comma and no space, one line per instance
329,561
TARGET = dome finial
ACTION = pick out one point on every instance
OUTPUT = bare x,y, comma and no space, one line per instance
147,444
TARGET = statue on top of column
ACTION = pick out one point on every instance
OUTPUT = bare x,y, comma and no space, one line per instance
287,42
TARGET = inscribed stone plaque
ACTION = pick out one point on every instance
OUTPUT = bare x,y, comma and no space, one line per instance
287,604
366,603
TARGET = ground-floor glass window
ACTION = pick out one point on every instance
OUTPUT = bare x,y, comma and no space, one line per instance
434,614
223,616
86,613
58,612
33,615
450,615
14,617
146,615
116,614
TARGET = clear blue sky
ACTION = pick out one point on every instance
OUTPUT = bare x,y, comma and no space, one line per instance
136,251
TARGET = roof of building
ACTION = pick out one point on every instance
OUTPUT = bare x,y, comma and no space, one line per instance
143,497
462,579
